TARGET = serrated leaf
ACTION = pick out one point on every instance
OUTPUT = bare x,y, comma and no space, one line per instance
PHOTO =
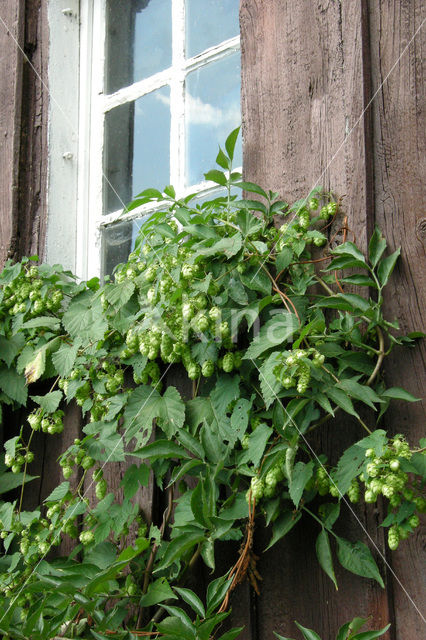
134,476
282,525
84,320
386,266
13,385
356,557
227,389
269,384
227,246
342,400
9,480
301,475
359,392
222,160
119,293
59,492
256,280
284,258
160,449
237,292
252,188
47,322
248,223
145,404
275,332
324,556
10,347
240,416
49,402
257,443
202,351
64,358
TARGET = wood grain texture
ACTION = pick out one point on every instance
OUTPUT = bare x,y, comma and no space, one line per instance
398,47
32,211
11,31
306,87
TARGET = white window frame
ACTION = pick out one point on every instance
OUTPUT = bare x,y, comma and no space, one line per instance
93,104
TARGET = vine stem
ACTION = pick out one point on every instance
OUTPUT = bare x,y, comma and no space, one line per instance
285,299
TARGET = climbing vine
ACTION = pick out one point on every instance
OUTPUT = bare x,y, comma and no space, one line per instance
262,320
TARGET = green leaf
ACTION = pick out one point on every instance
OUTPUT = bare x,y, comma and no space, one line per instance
231,635
257,443
227,390
342,400
349,249
192,599
49,402
386,266
240,416
47,322
270,386
356,557
222,160
237,292
216,176
277,635
134,477
179,546
301,475
324,556
10,347
145,404
359,392
344,302
248,223
284,258
202,351
158,591
36,367
59,492
84,320
160,449
282,525
9,480
308,634
119,293
252,188
276,331
399,394
376,246
359,280
344,262
370,635
231,141
227,246
257,280
13,385
64,358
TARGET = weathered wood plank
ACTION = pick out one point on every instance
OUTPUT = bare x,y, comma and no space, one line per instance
11,31
305,85
398,44
32,212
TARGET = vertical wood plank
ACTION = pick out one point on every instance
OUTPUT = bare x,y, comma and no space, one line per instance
398,46
32,214
305,87
11,30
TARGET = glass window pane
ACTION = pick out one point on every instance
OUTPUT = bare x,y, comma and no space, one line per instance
209,22
138,41
212,112
117,244
137,148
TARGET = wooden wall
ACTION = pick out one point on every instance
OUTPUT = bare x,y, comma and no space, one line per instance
332,95
23,127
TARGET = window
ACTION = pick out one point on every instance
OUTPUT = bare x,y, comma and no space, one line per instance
159,88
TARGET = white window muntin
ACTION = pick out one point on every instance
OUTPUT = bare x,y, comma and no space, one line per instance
94,104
